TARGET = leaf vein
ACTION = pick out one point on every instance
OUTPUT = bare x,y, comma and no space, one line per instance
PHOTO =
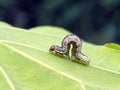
101,60
45,65
7,78
28,46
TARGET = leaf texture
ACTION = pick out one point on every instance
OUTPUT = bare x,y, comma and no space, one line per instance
26,64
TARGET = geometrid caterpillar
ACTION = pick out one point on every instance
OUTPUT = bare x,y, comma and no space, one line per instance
71,47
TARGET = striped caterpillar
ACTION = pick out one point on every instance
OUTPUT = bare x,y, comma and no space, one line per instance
71,48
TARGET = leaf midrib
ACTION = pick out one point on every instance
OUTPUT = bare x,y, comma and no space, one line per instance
28,46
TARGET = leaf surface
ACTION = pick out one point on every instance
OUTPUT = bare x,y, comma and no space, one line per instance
26,64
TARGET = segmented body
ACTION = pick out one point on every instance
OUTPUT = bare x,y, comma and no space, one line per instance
71,43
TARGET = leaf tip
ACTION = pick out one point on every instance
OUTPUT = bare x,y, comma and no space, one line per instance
113,46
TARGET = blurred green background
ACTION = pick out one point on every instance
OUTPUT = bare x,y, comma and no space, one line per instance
95,21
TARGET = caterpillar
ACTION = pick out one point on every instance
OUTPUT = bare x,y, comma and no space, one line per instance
71,47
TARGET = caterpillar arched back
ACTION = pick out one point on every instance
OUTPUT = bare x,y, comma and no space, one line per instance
71,47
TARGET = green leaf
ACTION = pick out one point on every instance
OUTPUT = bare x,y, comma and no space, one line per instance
26,64
113,46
